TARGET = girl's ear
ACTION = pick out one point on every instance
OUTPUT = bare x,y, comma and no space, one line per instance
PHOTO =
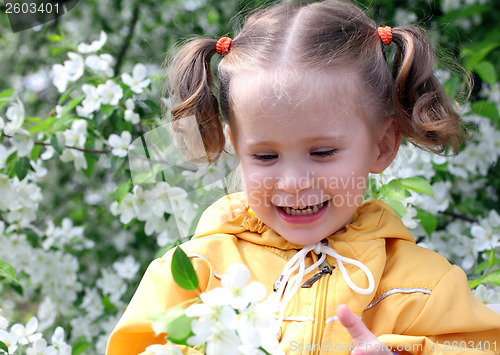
388,141
231,139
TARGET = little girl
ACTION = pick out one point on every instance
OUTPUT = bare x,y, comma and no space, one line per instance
312,108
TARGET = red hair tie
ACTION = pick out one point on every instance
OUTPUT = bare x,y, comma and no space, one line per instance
222,45
385,34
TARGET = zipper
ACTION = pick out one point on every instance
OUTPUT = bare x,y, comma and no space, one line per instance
319,312
324,269
320,303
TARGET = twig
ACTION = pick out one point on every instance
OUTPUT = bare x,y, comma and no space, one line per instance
460,216
75,148
128,39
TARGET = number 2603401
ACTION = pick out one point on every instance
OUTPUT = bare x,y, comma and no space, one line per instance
469,346
31,8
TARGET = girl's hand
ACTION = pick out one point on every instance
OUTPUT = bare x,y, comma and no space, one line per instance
366,343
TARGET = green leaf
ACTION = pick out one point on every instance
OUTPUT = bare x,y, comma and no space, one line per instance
451,86
418,184
486,109
7,271
79,346
4,94
42,126
55,143
60,124
493,277
483,265
91,160
4,347
22,166
176,324
122,191
17,288
36,152
5,97
65,96
486,71
107,110
183,271
477,53
394,190
54,51
427,220
491,261
117,162
154,107
54,38
72,104
397,206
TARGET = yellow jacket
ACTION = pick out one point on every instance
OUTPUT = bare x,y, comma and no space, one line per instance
421,303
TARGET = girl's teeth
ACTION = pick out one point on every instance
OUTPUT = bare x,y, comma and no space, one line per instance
303,212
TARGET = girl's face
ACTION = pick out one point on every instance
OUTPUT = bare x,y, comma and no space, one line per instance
304,143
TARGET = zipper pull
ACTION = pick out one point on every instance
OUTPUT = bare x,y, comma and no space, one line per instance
324,268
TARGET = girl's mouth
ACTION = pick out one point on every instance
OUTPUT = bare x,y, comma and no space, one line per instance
306,214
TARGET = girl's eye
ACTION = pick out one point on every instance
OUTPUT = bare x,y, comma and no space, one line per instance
325,153
264,157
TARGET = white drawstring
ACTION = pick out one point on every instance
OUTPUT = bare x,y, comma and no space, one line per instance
286,286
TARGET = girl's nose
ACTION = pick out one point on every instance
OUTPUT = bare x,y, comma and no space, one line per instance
294,180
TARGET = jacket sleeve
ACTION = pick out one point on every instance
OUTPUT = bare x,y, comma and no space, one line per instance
156,293
452,321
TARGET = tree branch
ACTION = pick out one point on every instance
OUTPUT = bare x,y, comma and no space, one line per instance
459,216
68,147
128,39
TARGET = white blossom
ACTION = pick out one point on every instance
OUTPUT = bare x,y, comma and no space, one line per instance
485,236
77,135
22,142
487,295
91,103
127,268
157,349
10,340
48,153
47,312
127,209
111,284
101,64
110,92
138,81
27,334
72,70
241,295
4,154
39,170
4,323
40,347
15,115
94,46
120,143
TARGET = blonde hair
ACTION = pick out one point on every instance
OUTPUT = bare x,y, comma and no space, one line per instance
319,35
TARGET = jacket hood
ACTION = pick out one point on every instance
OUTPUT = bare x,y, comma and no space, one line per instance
231,214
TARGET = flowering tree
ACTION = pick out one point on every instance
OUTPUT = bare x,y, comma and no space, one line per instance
78,225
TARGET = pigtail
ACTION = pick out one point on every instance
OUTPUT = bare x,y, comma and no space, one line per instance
425,113
191,84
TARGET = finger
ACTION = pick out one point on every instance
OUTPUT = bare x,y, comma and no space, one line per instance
354,325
